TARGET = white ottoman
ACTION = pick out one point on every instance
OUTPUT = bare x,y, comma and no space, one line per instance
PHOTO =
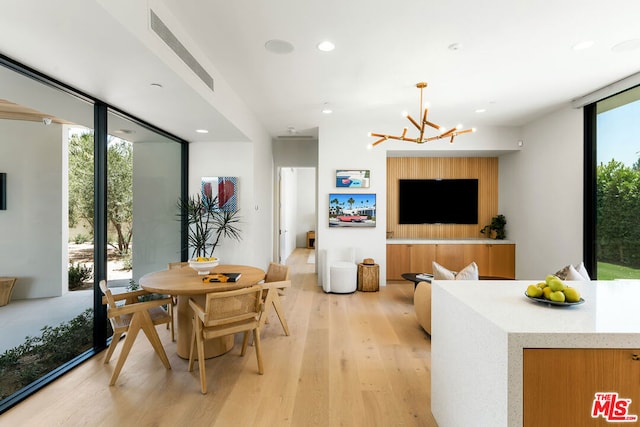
344,277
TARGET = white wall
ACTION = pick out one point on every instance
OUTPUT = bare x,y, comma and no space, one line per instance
343,145
541,194
306,204
31,229
251,163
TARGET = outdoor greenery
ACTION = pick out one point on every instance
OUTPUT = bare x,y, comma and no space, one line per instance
608,271
37,356
208,224
617,213
78,274
119,187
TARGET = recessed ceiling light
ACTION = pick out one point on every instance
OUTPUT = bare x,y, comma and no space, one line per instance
202,131
326,46
481,110
454,46
326,109
585,44
627,46
278,46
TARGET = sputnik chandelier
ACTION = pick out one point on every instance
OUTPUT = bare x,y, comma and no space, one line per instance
444,133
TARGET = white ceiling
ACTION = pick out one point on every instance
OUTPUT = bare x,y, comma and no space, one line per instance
515,60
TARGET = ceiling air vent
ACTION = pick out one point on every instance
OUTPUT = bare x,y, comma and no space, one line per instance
171,40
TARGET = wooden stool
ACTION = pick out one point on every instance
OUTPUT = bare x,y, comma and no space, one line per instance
368,277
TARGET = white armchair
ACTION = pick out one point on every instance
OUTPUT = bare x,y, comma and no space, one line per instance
339,270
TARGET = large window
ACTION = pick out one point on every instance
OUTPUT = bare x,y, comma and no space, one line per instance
616,186
91,194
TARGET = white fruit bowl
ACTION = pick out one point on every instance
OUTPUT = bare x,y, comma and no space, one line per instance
203,267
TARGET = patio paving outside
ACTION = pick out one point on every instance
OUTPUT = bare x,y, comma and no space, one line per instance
26,317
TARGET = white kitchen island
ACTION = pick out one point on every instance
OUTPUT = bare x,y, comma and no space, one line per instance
480,330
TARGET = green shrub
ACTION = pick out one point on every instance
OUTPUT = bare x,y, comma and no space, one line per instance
127,262
81,238
38,356
78,274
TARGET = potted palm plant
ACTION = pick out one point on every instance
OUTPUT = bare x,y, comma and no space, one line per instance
207,224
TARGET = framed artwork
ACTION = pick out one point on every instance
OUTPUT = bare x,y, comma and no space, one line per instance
352,178
225,188
352,210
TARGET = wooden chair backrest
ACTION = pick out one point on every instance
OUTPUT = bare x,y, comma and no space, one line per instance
179,264
233,306
277,273
111,302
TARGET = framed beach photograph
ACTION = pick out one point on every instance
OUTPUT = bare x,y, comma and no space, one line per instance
225,188
352,210
352,178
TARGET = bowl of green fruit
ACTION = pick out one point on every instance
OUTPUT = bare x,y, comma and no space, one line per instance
553,291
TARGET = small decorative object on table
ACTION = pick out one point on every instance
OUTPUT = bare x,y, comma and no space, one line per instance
221,277
203,265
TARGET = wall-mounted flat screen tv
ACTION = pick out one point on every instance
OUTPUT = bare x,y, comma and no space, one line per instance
438,201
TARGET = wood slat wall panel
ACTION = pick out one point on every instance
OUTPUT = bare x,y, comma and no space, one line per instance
485,169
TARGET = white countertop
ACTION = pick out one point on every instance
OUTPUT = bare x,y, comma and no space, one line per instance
481,328
610,307
469,241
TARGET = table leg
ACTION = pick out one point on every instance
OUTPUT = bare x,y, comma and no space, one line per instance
212,348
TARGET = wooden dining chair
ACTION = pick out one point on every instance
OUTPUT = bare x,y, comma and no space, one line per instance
226,313
129,318
174,298
275,283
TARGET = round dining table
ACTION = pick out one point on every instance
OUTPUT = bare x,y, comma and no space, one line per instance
185,283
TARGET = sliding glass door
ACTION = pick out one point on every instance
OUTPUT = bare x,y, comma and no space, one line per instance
617,186
91,194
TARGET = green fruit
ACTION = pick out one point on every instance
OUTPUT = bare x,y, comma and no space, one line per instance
534,291
557,296
546,292
556,284
571,294
542,285
549,278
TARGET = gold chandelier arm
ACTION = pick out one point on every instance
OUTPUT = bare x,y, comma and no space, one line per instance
378,141
460,132
413,121
433,125
449,132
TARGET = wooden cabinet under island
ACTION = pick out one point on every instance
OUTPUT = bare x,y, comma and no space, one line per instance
500,359
494,258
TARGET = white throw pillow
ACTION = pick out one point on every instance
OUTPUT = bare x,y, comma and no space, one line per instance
470,272
580,268
570,272
579,273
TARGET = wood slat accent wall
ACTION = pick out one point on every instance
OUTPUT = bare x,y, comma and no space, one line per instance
485,169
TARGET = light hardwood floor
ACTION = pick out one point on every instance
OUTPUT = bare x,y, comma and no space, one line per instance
351,360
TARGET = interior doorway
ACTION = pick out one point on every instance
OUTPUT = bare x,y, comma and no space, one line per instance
297,208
